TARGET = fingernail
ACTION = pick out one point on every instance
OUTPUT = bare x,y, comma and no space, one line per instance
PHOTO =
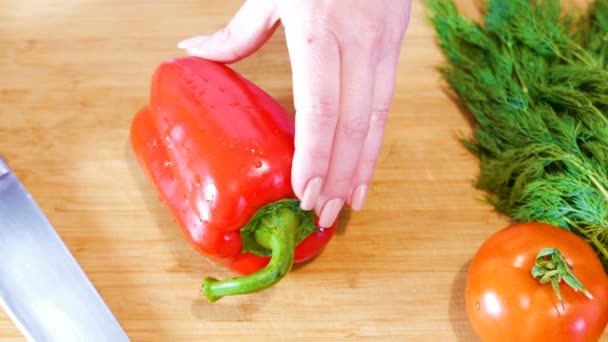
330,212
358,197
311,193
192,42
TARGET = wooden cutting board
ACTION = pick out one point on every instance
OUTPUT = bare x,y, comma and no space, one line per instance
73,74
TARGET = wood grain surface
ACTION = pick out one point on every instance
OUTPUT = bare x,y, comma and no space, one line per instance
73,74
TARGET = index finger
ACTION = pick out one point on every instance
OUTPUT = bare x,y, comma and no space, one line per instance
315,59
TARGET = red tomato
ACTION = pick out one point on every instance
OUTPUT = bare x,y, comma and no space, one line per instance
506,303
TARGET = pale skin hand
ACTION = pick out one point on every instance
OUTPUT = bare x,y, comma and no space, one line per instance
343,56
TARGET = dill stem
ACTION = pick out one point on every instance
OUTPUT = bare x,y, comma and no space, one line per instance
600,114
603,50
580,57
591,238
598,245
589,174
520,79
599,187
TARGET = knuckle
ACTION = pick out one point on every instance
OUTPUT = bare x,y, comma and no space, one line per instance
341,181
320,115
338,186
236,54
317,29
396,29
316,124
370,28
393,36
226,35
319,154
380,114
367,37
355,128
369,164
315,157
322,107
373,31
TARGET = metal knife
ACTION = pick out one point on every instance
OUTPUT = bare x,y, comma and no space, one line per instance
43,289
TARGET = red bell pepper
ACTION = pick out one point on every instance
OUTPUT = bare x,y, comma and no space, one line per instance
218,150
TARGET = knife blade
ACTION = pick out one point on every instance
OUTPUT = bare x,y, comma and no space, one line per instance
43,289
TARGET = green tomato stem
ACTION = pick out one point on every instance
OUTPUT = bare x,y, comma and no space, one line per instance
552,267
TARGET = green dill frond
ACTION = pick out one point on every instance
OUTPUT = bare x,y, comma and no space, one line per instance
536,84
592,31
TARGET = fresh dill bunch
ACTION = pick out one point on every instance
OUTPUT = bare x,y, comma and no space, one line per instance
534,81
592,31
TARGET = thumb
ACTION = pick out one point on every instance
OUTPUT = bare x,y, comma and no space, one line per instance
247,31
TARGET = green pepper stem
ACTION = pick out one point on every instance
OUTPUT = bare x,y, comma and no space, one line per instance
280,238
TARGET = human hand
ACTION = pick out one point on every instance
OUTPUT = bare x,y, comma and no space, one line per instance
344,55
